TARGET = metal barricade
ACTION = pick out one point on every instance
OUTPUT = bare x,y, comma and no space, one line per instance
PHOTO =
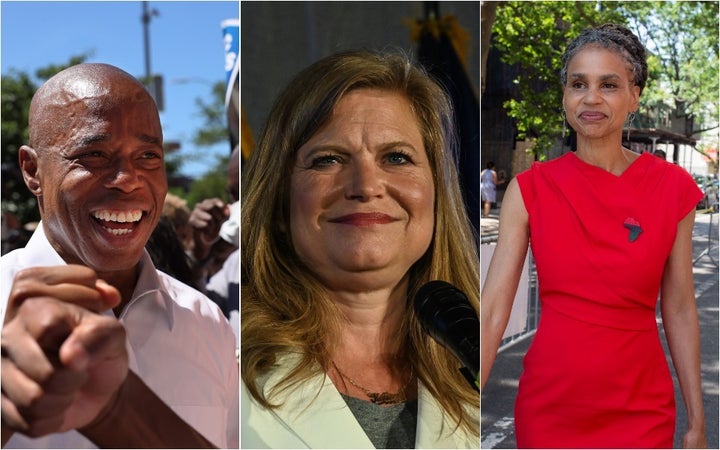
712,247
532,307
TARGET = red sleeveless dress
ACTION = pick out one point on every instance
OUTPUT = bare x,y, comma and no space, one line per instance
596,375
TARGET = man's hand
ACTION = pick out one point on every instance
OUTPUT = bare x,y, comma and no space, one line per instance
206,219
74,284
65,367
62,363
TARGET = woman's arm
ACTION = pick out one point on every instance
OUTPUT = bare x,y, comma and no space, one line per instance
503,275
498,178
680,320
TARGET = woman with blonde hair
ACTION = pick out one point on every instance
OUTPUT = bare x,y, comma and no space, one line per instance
350,203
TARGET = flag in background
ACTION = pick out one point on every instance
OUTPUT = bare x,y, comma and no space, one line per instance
441,43
248,142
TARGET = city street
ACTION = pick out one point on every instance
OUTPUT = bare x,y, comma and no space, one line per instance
497,401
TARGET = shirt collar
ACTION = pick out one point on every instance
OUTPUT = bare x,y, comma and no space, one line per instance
150,287
39,252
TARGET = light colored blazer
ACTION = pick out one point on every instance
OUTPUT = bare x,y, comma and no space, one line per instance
314,415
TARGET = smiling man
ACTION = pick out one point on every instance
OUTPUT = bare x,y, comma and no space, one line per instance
95,164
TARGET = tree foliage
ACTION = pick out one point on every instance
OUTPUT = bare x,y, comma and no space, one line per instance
212,184
681,36
17,90
214,129
683,40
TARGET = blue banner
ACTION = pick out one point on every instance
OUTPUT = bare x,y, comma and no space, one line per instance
231,37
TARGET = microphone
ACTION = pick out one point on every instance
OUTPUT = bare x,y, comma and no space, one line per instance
446,314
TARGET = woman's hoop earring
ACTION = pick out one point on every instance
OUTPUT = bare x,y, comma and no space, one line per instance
564,130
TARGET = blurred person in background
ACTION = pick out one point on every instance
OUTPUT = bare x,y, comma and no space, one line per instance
223,287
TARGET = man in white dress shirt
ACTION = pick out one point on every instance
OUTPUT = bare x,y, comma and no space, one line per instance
95,163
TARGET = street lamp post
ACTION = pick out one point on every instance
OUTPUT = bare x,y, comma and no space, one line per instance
152,83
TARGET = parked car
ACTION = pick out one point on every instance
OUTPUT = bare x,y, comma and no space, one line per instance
709,185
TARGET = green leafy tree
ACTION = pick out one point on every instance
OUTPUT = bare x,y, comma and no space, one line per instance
212,184
682,38
17,89
213,131
16,92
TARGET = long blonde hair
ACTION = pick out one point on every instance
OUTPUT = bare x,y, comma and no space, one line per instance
284,308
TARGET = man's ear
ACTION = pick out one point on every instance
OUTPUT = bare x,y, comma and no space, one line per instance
28,159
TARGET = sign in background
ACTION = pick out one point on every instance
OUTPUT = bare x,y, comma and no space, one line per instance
231,37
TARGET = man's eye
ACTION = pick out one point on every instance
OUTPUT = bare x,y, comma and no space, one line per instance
92,154
151,155
88,158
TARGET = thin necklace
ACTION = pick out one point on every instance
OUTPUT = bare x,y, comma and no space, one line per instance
380,398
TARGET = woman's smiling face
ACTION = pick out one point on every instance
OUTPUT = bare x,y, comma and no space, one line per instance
599,92
362,194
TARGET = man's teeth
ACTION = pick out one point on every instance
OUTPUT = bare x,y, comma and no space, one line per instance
121,217
118,232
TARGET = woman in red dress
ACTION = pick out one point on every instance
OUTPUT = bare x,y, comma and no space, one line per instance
610,229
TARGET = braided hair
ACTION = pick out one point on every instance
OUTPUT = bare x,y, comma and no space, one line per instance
614,37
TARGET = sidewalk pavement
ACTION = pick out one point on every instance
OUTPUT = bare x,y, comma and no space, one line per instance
498,398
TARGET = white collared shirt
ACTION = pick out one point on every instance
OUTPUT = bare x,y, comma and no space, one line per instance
179,344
